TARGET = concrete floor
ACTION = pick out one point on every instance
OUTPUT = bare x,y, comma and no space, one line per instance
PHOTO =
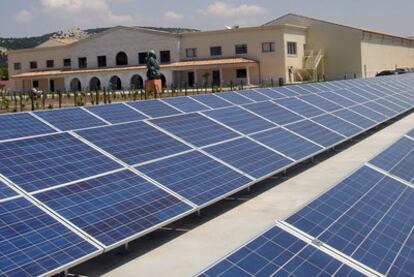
187,253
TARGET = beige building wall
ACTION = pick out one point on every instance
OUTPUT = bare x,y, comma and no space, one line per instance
272,64
129,40
379,53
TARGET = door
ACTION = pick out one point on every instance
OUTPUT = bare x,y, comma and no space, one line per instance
191,79
52,85
216,78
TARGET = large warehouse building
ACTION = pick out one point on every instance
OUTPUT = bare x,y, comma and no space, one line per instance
293,48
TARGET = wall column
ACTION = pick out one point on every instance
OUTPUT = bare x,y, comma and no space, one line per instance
247,75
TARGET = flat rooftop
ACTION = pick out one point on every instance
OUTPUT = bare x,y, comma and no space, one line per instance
228,224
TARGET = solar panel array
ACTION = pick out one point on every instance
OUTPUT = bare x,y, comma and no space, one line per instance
366,219
109,174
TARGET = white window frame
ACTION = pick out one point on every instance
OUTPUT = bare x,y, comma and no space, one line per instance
191,50
271,47
289,45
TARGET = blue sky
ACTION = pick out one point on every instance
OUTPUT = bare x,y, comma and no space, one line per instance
34,17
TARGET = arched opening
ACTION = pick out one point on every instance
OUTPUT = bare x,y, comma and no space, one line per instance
94,84
163,80
115,83
75,84
121,58
137,82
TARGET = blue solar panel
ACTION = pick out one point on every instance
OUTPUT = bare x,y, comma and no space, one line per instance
5,191
114,207
195,129
368,113
278,253
234,98
116,113
364,93
351,95
320,102
380,91
70,119
380,109
185,104
285,91
43,162
315,133
195,176
134,143
21,125
299,107
390,105
212,101
240,120
355,118
154,108
367,216
249,157
404,264
253,95
398,102
411,134
302,90
287,143
33,243
336,124
338,99
273,112
270,93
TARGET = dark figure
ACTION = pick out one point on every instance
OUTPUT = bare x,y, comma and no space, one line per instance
153,68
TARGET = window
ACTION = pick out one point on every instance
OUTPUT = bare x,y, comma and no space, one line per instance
17,66
66,62
191,52
241,73
241,49
83,62
101,61
33,65
121,59
165,56
268,47
50,63
142,57
35,84
215,51
292,48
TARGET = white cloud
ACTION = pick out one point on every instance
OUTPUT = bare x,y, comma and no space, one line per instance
24,16
224,9
173,16
84,10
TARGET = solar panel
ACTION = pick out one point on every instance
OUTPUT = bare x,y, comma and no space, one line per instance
70,119
320,102
364,93
315,132
403,265
21,125
195,176
351,95
285,91
337,99
380,91
370,224
234,98
398,102
195,129
278,253
43,162
253,95
300,107
270,93
134,143
5,191
309,88
212,101
273,112
185,104
240,120
411,134
287,143
114,207
154,108
355,118
368,113
302,90
380,109
33,243
390,105
116,113
336,124
249,157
